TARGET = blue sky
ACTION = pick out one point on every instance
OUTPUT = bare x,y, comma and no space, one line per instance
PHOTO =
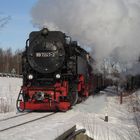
15,33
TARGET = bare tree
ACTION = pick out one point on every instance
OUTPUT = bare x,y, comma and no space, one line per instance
4,20
10,61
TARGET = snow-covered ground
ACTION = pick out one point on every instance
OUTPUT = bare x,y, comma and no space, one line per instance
89,114
121,124
9,89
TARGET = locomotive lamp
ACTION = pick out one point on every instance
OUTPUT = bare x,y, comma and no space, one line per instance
58,76
30,76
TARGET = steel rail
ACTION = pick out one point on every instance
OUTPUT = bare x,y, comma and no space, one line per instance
15,116
20,124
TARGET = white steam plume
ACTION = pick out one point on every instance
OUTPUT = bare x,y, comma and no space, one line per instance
109,27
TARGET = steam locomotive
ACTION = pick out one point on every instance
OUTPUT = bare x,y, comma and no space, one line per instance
57,72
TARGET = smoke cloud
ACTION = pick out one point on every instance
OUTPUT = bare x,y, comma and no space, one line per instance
109,28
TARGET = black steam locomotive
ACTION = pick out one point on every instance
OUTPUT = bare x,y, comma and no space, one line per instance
57,72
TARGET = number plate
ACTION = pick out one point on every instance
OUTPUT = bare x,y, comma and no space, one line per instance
45,54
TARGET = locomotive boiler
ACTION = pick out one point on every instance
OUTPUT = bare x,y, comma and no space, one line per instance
56,71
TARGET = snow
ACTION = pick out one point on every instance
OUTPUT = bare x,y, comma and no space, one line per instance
9,89
89,115
46,128
90,105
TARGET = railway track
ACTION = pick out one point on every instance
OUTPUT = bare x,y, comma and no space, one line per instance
20,120
15,116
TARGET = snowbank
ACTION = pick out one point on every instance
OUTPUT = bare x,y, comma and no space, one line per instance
9,89
121,125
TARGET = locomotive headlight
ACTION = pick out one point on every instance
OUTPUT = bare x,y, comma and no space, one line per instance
58,76
30,76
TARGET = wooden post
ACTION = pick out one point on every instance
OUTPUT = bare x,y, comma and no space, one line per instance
106,117
121,98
